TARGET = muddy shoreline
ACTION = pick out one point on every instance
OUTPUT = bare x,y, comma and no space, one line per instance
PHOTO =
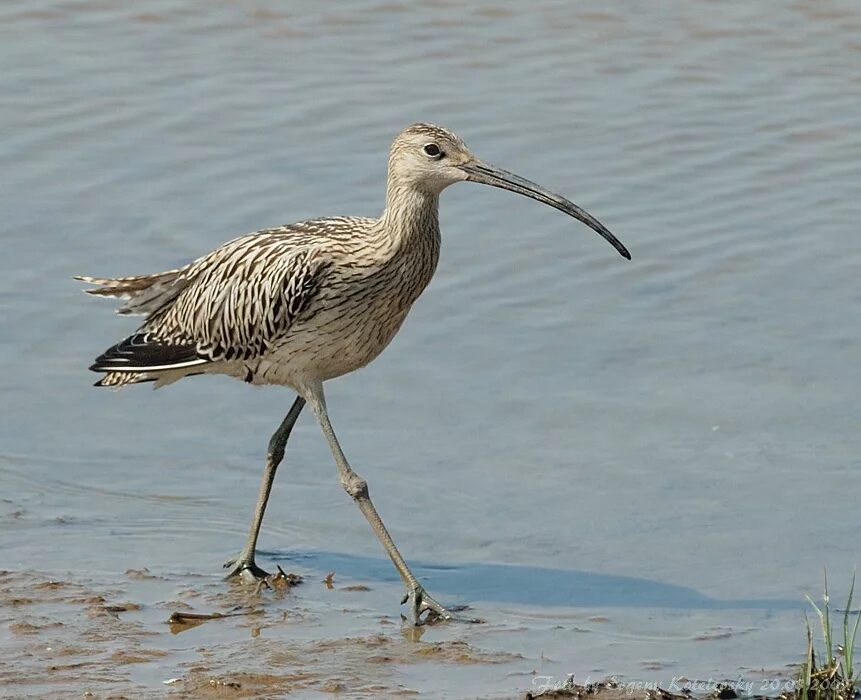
63,638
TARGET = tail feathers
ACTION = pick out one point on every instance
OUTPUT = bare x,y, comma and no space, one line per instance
117,379
144,353
144,293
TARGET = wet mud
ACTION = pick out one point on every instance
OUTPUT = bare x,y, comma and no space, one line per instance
65,638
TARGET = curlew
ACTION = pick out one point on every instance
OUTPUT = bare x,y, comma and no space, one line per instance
300,304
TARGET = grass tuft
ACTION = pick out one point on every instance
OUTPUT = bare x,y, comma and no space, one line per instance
833,676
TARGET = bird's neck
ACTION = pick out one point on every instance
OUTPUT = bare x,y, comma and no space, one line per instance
411,216
410,228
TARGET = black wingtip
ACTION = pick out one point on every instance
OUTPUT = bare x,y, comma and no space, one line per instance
141,352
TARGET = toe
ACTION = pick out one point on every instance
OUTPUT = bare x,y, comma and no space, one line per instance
424,610
247,572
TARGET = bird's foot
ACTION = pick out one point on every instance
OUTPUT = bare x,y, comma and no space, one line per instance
244,569
421,604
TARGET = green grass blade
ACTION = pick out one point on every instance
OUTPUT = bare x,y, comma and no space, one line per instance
849,639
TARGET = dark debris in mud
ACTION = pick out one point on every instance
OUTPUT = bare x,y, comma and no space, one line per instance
180,621
279,581
613,690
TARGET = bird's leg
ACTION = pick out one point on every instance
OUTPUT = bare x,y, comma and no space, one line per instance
419,601
244,565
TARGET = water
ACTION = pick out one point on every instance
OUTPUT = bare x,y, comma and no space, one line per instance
655,452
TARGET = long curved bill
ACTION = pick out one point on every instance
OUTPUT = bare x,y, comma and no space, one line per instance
476,171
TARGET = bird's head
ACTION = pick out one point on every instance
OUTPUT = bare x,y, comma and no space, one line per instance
429,158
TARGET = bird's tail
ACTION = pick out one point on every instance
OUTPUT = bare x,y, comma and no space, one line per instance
115,380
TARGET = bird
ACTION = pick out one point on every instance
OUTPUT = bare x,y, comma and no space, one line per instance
300,304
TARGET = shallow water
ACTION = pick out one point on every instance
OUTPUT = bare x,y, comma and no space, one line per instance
626,468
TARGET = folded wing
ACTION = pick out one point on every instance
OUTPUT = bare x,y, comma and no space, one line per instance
236,303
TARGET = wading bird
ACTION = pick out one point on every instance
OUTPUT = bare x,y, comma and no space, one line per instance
299,304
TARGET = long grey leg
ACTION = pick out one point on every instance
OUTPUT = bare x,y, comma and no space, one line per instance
244,565
357,487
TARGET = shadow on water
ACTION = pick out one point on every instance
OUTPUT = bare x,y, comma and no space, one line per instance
530,585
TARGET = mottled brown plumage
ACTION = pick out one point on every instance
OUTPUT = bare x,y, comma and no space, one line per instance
300,304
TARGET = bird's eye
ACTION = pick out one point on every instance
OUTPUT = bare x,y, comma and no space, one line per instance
432,150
